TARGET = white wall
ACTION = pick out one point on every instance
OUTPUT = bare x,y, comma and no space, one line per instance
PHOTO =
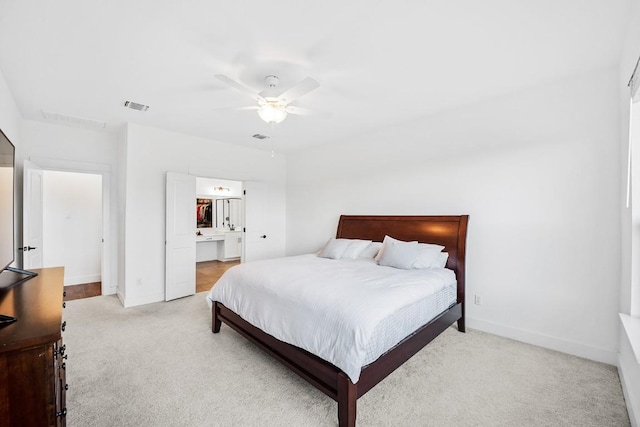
538,172
80,150
150,153
72,225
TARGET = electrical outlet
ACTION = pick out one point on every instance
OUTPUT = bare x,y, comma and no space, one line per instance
478,300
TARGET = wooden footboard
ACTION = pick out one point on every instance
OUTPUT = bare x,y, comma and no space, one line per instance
323,375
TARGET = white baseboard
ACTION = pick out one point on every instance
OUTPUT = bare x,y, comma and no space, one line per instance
120,296
629,398
80,280
147,299
109,290
553,343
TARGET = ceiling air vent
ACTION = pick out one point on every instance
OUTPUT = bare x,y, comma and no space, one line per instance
136,106
260,136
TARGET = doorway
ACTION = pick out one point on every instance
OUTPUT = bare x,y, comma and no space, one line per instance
68,206
219,234
244,240
72,228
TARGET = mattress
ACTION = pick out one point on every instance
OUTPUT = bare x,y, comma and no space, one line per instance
407,320
347,312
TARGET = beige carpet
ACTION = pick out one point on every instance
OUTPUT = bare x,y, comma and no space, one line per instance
159,365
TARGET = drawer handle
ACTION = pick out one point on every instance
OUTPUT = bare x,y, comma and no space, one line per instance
60,351
64,293
64,304
64,366
66,386
64,325
62,413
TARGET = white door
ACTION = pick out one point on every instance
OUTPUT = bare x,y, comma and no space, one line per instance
180,277
32,228
256,245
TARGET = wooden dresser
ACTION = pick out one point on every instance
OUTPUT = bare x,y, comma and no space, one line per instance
32,356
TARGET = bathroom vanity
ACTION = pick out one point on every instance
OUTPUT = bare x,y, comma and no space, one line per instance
219,245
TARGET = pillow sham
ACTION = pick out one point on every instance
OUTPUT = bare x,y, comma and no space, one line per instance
388,240
355,248
335,248
444,257
399,254
438,260
371,251
428,256
343,248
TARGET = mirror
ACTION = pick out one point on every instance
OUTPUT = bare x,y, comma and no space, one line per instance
229,213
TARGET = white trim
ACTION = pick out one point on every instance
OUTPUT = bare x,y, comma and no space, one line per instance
79,280
631,327
147,299
629,372
553,343
70,165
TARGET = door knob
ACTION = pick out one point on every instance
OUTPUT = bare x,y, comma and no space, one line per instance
264,236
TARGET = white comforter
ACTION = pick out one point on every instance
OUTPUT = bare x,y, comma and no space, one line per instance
327,307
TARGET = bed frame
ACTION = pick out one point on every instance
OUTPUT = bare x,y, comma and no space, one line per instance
449,231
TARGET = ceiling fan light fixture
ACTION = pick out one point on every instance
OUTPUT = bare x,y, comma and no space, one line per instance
271,113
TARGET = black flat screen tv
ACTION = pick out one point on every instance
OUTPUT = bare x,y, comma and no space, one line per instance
9,276
7,183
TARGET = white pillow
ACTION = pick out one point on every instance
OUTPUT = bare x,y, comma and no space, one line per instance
428,256
356,247
387,241
335,248
439,260
444,257
371,251
399,254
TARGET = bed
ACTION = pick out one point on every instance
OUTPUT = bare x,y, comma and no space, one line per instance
343,385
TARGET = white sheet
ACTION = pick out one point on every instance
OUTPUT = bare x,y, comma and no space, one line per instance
328,307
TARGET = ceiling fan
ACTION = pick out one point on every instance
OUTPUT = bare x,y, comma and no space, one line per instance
273,106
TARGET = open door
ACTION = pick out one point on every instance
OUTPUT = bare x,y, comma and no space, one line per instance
255,246
180,275
32,224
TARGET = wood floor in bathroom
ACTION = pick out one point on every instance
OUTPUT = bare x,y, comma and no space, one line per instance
207,273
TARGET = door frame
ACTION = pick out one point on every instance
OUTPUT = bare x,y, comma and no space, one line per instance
33,216
104,170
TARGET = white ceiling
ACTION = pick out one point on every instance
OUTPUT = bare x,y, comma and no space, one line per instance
378,63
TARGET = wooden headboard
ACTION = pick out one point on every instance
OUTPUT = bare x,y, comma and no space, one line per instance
449,231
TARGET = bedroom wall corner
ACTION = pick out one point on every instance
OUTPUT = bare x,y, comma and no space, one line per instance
538,172
121,155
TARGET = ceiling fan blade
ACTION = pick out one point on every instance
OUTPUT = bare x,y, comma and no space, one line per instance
238,86
302,88
301,111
